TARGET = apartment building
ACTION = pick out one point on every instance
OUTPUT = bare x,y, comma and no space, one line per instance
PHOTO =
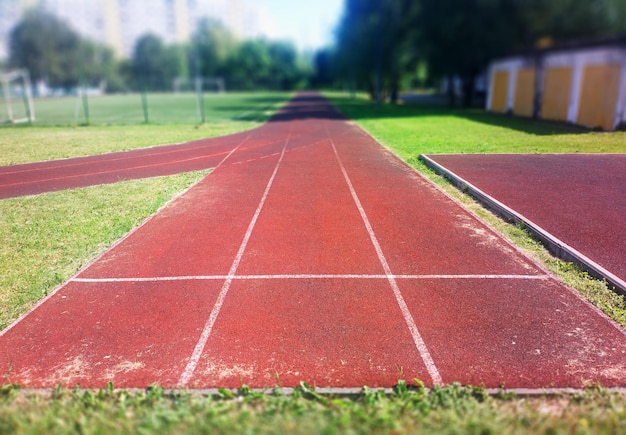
119,23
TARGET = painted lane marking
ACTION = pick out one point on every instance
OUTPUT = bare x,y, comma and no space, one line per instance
417,338
130,168
116,244
197,352
67,163
303,276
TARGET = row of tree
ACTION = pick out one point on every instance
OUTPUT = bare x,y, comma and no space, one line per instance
382,42
60,57
56,54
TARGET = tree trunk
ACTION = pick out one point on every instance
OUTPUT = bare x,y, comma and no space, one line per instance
394,86
469,85
451,92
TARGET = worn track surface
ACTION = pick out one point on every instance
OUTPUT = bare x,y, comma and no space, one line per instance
313,254
53,175
580,199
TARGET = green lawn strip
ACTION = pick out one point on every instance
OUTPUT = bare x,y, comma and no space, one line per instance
226,114
411,130
163,108
449,410
47,238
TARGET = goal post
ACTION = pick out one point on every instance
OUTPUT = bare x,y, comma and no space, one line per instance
199,85
209,84
17,97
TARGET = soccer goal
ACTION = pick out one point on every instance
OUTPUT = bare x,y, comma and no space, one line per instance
17,97
204,84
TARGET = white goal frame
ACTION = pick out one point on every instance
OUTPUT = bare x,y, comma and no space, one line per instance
13,85
198,84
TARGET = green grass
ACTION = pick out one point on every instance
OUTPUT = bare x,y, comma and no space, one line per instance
117,124
165,108
411,130
47,238
449,410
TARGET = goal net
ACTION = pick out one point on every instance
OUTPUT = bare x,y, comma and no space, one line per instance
204,84
17,100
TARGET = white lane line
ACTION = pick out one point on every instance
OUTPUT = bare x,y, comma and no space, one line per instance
113,171
87,160
304,276
116,244
197,352
417,338
131,168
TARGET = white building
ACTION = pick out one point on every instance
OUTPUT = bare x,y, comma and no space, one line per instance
583,84
119,23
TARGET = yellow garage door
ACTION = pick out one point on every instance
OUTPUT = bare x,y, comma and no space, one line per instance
557,87
500,91
524,92
598,96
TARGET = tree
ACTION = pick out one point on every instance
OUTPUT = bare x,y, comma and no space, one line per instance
563,20
459,37
47,47
249,65
211,45
55,54
283,70
381,41
376,44
99,66
323,75
155,65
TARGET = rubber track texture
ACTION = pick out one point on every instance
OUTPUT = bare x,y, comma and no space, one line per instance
313,254
575,203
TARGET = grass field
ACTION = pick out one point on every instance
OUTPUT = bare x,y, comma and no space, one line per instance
117,124
412,129
165,108
40,249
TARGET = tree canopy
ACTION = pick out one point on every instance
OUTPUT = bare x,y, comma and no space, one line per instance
57,55
379,41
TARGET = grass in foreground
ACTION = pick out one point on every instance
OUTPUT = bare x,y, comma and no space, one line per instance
449,410
117,124
47,238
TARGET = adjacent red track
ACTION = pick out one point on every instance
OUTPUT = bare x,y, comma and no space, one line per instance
49,176
579,200
313,254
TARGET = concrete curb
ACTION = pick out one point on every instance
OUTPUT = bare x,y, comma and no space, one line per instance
556,246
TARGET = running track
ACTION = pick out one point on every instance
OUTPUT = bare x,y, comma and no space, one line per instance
313,254
575,202
49,176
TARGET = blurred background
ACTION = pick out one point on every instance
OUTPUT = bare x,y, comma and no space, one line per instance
382,47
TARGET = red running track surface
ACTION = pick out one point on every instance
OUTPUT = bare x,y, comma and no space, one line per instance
49,176
313,254
578,198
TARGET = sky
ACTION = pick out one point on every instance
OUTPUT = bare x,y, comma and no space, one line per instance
308,23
